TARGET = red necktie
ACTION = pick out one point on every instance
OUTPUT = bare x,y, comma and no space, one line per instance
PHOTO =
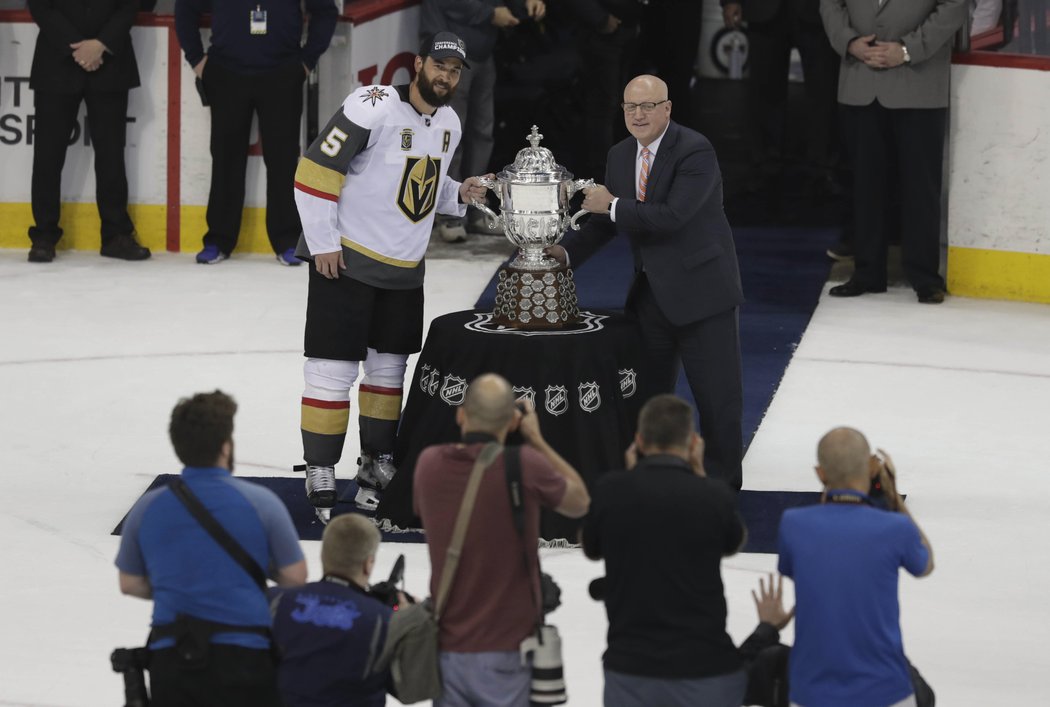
643,176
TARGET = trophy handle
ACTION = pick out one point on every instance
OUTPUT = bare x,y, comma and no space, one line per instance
494,220
575,186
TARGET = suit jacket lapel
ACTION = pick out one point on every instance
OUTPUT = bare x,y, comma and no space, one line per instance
663,157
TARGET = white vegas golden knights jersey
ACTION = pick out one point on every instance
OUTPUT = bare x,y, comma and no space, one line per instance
371,182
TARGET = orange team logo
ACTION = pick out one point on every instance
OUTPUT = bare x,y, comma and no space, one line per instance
374,94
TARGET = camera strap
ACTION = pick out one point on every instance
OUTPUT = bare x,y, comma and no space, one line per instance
220,534
512,472
485,458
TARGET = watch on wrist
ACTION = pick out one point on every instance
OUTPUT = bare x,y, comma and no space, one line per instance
907,56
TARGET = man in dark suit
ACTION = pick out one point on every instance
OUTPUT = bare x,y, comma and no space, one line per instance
83,54
773,28
664,193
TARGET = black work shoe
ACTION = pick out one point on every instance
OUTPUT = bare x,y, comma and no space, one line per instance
42,253
852,288
124,247
930,295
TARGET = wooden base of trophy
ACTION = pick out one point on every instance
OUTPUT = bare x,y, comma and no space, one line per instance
536,299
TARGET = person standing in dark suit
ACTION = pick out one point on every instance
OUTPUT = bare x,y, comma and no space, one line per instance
608,42
83,54
773,28
256,64
663,192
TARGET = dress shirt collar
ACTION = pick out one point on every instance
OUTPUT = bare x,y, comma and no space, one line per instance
653,146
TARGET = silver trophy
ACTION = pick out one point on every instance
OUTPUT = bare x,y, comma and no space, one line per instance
534,291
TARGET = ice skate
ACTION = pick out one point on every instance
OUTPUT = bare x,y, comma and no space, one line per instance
320,486
373,475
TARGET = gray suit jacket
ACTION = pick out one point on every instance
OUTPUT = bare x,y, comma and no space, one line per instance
679,234
925,27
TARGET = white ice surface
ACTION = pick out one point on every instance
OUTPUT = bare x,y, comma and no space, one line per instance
93,354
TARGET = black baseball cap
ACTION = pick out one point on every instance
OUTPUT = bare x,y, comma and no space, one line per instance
444,45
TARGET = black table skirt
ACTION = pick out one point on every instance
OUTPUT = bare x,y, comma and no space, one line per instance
587,385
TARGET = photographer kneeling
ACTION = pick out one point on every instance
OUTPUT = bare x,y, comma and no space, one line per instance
330,633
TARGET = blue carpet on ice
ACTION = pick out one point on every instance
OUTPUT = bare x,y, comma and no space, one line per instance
783,272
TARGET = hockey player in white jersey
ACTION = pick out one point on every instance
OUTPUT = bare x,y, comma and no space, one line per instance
367,190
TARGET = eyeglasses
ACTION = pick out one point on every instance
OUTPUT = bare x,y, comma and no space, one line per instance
646,107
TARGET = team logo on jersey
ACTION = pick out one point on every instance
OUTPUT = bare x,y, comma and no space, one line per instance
406,139
523,394
446,141
429,380
590,399
557,399
418,191
453,390
375,93
628,382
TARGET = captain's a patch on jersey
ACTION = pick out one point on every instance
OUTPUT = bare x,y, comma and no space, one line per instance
375,93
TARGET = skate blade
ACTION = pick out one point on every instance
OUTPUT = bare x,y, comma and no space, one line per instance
323,514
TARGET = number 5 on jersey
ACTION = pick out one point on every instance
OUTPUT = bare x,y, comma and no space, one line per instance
333,142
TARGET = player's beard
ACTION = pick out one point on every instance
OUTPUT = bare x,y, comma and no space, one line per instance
425,85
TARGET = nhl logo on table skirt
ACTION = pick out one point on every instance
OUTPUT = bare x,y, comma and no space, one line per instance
628,382
453,390
590,399
557,399
429,380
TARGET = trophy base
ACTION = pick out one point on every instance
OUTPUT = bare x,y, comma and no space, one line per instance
533,299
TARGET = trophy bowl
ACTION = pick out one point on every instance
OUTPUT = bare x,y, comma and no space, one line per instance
535,291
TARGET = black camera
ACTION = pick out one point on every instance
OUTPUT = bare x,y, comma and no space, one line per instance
550,593
387,590
132,663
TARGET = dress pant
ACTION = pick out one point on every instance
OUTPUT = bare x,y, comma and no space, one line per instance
709,351
233,676
670,44
55,117
475,104
277,98
913,140
769,57
607,60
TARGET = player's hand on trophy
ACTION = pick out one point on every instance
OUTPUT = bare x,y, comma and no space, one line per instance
329,264
597,199
473,189
558,253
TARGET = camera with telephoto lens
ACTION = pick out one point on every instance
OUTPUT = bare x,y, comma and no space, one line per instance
387,591
132,662
547,686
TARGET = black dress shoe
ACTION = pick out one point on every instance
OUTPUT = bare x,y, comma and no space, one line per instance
124,247
852,288
42,253
930,295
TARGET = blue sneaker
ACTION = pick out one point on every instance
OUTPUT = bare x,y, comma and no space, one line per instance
288,258
211,255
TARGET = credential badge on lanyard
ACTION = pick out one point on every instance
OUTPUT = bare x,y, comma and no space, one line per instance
257,20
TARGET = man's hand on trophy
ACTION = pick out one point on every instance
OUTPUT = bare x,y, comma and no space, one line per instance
597,199
473,189
558,253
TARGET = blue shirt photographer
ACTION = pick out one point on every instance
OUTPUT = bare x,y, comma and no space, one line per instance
844,559
189,572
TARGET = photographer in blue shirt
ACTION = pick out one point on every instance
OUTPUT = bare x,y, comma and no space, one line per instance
210,643
844,556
